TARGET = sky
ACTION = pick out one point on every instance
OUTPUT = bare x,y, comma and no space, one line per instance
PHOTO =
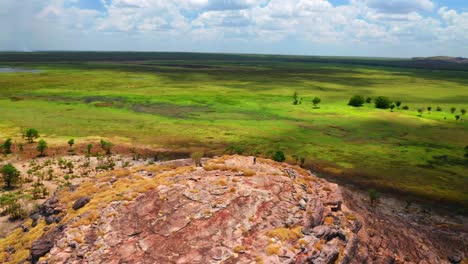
373,28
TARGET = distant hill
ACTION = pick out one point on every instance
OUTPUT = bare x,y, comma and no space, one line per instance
442,59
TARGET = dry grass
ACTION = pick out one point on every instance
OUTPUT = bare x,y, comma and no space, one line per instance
329,221
273,250
350,217
286,234
238,249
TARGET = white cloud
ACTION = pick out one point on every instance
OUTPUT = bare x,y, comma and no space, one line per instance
394,27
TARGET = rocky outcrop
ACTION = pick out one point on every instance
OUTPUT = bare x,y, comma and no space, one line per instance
282,214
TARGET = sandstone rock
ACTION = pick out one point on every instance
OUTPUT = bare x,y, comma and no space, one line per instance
80,202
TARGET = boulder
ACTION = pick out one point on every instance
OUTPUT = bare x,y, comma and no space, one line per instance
80,202
44,244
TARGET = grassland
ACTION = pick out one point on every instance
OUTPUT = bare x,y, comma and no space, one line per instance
196,102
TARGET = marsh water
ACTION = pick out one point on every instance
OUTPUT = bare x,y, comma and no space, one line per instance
16,69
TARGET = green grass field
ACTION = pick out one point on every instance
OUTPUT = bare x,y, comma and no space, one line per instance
188,104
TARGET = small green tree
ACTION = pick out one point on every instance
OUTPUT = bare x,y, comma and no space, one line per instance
439,109
463,111
10,175
316,101
279,156
41,147
296,98
405,107
453,109
71,142
88,149
373,196
7,146
420,111
382,102
392,107
457,117
429,108
106,146
31,134
356,101
11,205
368,100
197,157
398,103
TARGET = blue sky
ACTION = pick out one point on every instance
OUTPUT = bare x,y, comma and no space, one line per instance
387,28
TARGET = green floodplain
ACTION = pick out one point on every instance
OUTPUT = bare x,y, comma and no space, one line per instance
193,101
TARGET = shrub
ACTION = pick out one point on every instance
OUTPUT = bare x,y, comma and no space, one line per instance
31,134
382,102
438,109
463,111
197,157
368,100
7,146
356,101
235,150
429,108
405,107
316,101
392,107
453,109
11,205
279,156
41,147
10,174
398,103
457,117
71,142
373,196
106,146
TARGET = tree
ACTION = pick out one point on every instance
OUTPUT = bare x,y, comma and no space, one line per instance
88,149
457,117
10,174
31,134
420,111
356,101
453,109
429,108
398,103
405,107
7,146
382,102
438,109
296,98
463,111
71,142
316,101
107,146
373,196
368,100
279,156
197,157
392,107
11,205
41,147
